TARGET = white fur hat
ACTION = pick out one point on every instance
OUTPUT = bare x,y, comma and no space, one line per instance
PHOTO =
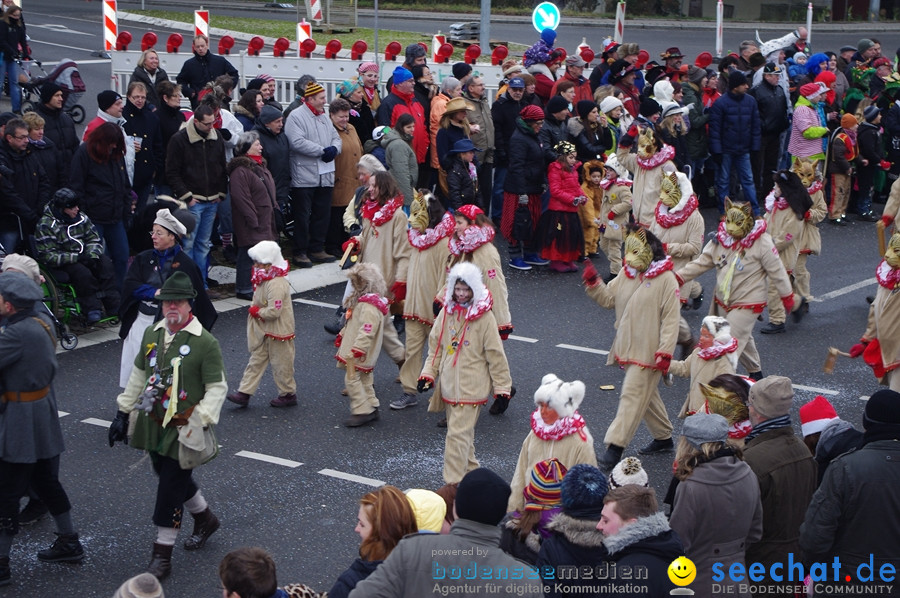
613,162
267,252
562,397
719,328
470,274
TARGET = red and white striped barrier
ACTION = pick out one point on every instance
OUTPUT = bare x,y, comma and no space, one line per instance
314,10
620,23
201,23
110,25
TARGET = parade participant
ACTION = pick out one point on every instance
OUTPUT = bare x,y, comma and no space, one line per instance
727,395
645,297
29,423
741,292
842,154
810,239
715,354
614,213
429,228
148,271
559,228
786,209
177,386
557,430
465,350
270,328
880,343
592,174
524,529
646,165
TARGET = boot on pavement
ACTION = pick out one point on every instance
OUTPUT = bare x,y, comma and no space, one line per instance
161,561
65,549
239,398
609,459
205,525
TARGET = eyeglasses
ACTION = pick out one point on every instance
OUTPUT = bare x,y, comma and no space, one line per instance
206,124
19,137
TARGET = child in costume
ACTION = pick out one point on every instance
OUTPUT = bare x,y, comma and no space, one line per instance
727,395
557,430
746,262
589,212
646,165
559,228
810,239
716,353
360,341
645,297
429,228
842,154
787,207
524,528
614,212
465,350
270,328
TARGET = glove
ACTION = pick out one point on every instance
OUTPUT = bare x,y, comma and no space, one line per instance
436,307
857,349
254,311
885,165
338,340
424,384
628,138
225,133
349,243
398,290
501,402
662,362
589,275
505,331
807,215
329,153
887,220
788,303
611,215
118,429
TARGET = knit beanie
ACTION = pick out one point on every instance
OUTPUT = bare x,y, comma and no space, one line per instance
772,396
532,113
429,508
144,585
696,74
556,104
584,107
649,107
871,113
256,83
883,407
610,103
628,471
401,74
864,44
811,90
482,496
816,415
735,79
107,98
848,121
583,490
268,113
48,90
544,488
313,88
461,69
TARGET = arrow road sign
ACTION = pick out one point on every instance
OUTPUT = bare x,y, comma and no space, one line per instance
545,16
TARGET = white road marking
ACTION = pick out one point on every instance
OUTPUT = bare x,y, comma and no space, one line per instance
821,391
97,422
524,339
352,478
59,29
62,413
316,303
268,459
35,41
583,349
848,289
864,398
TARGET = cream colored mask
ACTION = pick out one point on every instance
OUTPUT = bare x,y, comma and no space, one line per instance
418,212
670,190
738,219
646,143
805,169
892,254
638,253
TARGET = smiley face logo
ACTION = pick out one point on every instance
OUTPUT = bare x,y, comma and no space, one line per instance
682,571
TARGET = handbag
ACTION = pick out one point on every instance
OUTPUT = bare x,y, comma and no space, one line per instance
522,224
196,444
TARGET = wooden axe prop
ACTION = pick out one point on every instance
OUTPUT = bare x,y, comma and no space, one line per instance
831,359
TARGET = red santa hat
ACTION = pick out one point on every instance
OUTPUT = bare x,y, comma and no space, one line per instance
816,415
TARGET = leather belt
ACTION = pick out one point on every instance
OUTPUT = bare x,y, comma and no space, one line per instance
26,396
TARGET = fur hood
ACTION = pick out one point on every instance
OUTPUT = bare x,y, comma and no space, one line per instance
587,166
581,532
541,69
246,162
471,275
643,528
239,110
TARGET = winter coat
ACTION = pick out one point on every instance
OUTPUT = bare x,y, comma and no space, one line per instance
28,178
103,188
171,120
552,133
588,142
648,542
787,480
252,202
841,159
544,80
526,550
582,87
425,93
352,575
141,74
890,121
868,139
410,571
837,438
564,187
360,339
104,117
854,512
345,177
884,318
426,273
277,153
734,125
275,316
445,138
396,104
401,160
505,112
811,239
195,165
200,70
46,153
309,134
572,543
647,180
150,160
460,184
244,116
60,129
807,131
717,514
13,40
484,137
525,153
437,108
61,240
696,139
773,108
362,119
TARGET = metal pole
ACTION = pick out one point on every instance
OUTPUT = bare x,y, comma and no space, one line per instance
720,16
809,19
485,39
377,61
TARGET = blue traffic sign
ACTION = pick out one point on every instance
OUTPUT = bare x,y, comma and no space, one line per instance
545,16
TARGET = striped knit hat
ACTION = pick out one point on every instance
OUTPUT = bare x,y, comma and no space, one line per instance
544,490
312,89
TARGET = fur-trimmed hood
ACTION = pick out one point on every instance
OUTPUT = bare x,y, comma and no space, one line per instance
470,274
587,166
239,161
581,532
641,529
562,397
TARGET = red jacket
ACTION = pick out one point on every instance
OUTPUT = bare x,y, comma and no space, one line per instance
564,187
582,88
396,104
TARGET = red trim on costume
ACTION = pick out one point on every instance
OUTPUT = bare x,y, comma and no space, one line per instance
258,275
717,350
815,187
564,426
887,276
664,155
728,242
359,368
756,307
380,213
432,236
377,300
667,219
775,203
656,268
605,184
472,238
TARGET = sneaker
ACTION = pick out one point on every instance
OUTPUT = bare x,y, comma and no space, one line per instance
868,217
773,328
321,257
658,446
33,512
239,398
65,549
519,264
535,260
288,400
405,400
301,261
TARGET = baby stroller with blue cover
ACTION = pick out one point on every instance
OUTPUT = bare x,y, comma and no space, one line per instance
65,74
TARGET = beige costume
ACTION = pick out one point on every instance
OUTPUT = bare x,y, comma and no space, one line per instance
700,371
617,198
884,323
647,179
270,337
786,231
810,239
360,343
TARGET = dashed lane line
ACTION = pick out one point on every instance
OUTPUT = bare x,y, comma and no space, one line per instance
352,478
316,303
62,413
847,289
524,339
583,349
821,391
97,422
268,459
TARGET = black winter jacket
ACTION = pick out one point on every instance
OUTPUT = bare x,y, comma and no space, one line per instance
650,544
527,173
552,133
195,165
588,143
460,185
48,156
277,152
574,543
773,107
60,129
12,38
140,74
29,178
150,160
868,137
200,70
103,188
355,573
504,112
734,125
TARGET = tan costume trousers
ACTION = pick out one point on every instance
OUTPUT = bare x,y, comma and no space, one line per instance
639,400
416,344
459,445
840,195
361,390
280,354
612,249
390,341
801,277
742,322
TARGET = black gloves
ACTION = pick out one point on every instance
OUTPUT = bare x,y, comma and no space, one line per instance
118,429
329,153
225,133
424,384
501,402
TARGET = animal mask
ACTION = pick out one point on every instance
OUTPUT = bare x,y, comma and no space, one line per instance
670,190
725,403
418,212
646,143
892,255
806,170
638,253
738,219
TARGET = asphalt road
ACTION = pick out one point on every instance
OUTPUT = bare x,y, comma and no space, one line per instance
297,508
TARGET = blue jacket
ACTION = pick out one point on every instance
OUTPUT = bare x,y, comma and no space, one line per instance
734,125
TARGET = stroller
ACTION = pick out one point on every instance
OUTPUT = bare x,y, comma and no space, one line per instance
65,74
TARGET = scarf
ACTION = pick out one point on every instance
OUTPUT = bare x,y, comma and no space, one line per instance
380,213
769,425
260,275
887,277
564,426
775,203
664,155
666,218
377,300
258,159
471,239
717,350
605,184
431,236
815,187
656,268
313,110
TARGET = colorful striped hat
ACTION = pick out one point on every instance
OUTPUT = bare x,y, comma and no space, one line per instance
544,489
313,88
